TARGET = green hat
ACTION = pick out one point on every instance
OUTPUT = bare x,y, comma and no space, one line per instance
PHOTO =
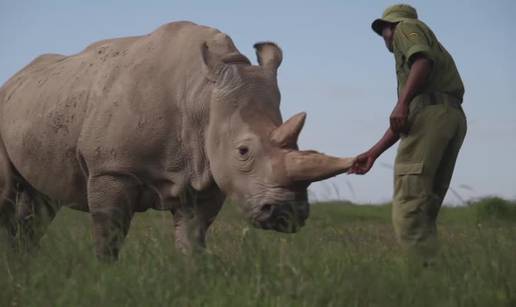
394,14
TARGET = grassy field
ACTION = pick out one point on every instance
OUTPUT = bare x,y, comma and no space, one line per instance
346,255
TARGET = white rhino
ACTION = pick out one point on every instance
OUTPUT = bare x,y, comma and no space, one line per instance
174,120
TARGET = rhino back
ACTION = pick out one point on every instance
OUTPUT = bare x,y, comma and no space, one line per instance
135,105
41,114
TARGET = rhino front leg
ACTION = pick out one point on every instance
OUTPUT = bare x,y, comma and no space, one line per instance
111,200
189,231
192,220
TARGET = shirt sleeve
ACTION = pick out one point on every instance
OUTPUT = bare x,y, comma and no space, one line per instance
410,40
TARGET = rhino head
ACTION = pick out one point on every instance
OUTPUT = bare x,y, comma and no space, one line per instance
253,154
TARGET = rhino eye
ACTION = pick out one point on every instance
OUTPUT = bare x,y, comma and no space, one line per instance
243,150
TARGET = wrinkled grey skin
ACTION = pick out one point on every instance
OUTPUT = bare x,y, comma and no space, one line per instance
175,120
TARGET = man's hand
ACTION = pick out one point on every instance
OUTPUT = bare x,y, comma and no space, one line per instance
363,163
419,72
399,118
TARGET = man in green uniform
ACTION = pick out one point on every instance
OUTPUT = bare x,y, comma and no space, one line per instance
429,121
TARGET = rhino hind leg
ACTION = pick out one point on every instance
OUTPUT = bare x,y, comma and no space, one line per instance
33,213
111,202
8,218
193,218
24,213
7,196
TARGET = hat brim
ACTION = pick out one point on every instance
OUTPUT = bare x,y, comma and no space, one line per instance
378,25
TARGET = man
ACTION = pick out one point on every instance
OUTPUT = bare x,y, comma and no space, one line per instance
429,120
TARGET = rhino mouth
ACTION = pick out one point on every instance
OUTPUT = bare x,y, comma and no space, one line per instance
282,219
286,225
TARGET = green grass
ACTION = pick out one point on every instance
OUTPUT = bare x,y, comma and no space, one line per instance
346,255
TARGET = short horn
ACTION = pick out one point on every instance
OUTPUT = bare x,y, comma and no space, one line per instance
311,166
286,135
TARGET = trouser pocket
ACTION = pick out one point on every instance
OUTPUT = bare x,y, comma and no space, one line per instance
408,181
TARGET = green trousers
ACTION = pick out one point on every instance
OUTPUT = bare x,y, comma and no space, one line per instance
423,169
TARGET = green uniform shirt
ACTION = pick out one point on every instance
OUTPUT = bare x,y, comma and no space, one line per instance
411,37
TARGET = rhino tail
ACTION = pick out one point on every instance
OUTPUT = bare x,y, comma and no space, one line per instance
6,177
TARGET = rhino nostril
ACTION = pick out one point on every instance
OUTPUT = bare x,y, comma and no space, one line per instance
267,208
266,212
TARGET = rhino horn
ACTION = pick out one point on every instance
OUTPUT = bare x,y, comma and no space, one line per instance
286,135
311,166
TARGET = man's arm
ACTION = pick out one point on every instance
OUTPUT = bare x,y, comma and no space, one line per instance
365,161
419,72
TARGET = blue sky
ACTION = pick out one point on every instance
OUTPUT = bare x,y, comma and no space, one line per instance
335,68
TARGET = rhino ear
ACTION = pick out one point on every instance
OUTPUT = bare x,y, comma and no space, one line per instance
216,57
211,64
269,55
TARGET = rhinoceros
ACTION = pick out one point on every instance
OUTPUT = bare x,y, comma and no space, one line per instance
175,120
